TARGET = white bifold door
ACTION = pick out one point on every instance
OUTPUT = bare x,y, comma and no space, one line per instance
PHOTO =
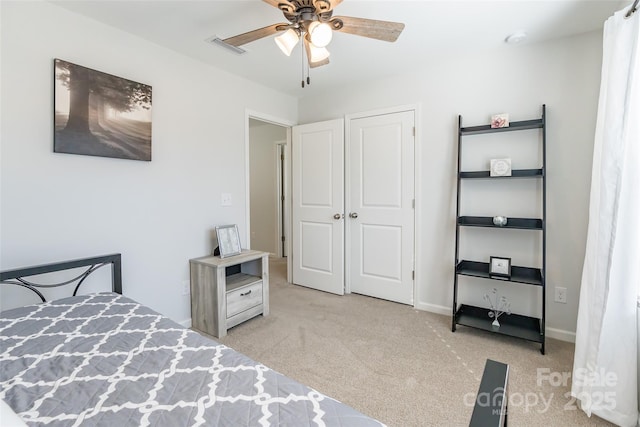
317,197
380,204
373,235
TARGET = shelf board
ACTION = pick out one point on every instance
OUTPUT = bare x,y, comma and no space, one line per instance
518,173
527,275
513,325
239,280
487,221
522,125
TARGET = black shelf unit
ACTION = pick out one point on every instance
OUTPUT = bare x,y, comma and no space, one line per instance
487,221
519,173
513,325
527,275
513,126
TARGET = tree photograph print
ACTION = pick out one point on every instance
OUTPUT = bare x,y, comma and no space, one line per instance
98,114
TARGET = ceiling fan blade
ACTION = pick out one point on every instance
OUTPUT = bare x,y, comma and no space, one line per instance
313,63
254,35
381,30
283,5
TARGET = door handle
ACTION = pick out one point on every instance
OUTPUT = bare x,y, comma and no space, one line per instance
353,215
337,216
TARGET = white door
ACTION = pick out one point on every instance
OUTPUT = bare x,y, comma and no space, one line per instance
380,202
318,206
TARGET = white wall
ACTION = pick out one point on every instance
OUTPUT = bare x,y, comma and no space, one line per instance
563,74
159,214
264,192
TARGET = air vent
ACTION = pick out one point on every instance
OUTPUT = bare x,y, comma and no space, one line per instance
219,42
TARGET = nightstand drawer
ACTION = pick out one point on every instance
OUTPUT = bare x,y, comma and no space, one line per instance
244,298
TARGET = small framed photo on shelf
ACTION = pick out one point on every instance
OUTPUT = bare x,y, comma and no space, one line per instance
500,121
500,167
228,240
500,267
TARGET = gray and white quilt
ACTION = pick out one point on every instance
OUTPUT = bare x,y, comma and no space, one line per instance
106,360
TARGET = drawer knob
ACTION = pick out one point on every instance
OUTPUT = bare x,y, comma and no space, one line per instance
245,294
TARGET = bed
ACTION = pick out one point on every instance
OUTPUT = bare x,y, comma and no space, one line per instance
104,359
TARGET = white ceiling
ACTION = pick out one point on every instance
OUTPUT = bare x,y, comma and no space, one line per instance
434,29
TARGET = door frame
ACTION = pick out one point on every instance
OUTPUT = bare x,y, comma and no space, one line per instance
416,108
278,121
417,189
282,188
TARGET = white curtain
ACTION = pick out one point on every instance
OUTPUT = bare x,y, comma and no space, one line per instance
605,376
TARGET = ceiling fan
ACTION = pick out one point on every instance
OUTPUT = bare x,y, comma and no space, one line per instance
314,23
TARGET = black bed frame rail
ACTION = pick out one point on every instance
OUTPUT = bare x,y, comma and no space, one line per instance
17,276
491,407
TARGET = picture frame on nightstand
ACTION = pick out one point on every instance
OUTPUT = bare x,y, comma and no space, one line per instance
228,240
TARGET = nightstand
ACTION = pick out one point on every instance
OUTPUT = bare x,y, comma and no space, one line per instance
228,291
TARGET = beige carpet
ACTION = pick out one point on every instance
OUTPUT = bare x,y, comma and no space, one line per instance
399,365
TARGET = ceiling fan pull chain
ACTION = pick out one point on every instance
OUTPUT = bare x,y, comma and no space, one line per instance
302,63
307,64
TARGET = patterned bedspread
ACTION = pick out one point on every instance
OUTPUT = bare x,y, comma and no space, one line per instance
106,360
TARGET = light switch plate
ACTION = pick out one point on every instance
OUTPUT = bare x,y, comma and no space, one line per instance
225,199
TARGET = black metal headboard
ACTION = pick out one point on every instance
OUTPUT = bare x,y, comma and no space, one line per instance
17,276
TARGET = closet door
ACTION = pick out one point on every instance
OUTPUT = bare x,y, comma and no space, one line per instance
380,195
318,206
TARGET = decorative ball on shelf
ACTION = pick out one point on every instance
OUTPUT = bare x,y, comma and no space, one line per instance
500,220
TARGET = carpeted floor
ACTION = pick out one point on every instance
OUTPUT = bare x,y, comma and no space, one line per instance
399,365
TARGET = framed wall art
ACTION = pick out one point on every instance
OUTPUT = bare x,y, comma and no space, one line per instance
98,114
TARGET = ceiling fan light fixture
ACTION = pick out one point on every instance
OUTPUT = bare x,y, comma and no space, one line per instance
287,41
317,54
320,33
314,23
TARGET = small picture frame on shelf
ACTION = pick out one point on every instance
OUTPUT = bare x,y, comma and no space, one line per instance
500,167
500,267
500,121
228,240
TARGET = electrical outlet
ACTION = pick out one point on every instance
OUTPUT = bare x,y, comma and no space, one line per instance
225,199
186,290
561,295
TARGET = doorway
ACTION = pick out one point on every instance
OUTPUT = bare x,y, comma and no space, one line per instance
267,186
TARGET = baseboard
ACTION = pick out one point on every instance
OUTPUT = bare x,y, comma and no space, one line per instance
559,334
186,323
432,308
